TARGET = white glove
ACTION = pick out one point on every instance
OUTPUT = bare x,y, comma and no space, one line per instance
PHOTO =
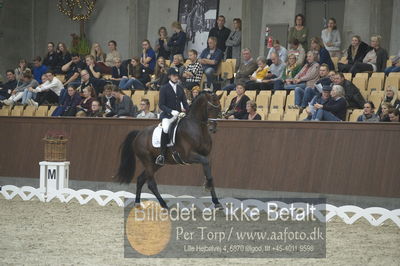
174,113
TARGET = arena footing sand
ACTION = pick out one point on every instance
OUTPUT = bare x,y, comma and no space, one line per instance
37,233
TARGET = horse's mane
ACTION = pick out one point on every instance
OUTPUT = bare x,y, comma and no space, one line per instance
199,100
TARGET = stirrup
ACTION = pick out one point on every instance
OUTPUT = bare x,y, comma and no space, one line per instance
160,160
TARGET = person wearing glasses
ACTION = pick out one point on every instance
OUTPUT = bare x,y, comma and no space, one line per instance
145,110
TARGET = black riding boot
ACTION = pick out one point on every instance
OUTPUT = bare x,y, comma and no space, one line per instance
164,141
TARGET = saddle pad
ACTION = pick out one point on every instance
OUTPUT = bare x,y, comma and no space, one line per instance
156,138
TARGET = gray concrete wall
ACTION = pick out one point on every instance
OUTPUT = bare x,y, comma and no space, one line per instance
395,32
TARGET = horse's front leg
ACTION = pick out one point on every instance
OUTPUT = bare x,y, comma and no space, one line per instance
209,185
141,179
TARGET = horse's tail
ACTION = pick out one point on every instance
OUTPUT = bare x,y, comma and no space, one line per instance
127,164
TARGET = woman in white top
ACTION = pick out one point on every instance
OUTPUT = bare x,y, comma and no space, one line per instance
331,38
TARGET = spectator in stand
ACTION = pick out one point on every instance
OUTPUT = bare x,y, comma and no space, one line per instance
96,111
178,40
148,58
38,69
234,41
352,94
246,68
51,57
112,54
375,60
299,31
394,115
355,53
9,86
49,91
87,80
278,49
321,98
221,33
123,106
193,72
324,57
210,59
97,53
289,72
331,38
251,108
137,76
72,70
274,73
161,45
118,71
368,113
297,50
259,75
85,106
144,110
91,67
28,94
160,76
63,57
178,63
384,114
334,109
237,107
395,65
390,97
72,100
304,96
20,70
108,100
27,82
194,93
308,75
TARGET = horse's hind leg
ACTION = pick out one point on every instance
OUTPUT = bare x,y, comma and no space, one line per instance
152,185
141,179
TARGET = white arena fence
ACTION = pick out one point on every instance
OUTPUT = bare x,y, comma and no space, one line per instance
376,216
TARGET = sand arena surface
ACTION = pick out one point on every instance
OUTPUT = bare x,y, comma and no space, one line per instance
56,233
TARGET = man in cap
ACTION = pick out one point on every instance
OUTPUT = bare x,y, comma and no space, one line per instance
172,102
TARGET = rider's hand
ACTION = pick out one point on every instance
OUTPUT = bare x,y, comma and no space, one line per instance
174,113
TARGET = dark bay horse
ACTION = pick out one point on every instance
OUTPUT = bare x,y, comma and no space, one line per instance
193,143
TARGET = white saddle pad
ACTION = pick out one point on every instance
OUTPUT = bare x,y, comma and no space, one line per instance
156,138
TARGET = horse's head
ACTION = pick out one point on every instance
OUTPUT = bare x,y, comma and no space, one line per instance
213,105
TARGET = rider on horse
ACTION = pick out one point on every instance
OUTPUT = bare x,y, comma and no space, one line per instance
172,102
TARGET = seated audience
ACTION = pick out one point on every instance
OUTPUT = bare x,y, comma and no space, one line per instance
307,76
93,70
193,73
177,42
160,76
289,72
299,31
85,106
246,68
390,97
384,114
97,53
234,42
193,94
161,45
395,65
237,107
72,69
38,69
71,102
303,96
137,76
275,73
28,94
334,109
324,56
368,113
394,115
49,91
177,62
210,59
112,54
278,49
144,110
27,82
123,105
95,111
259,75
355,53
9,86
19,71
331,38
297,50
354,98
148,58
375,60
321,98
63,57
221,33
251,108
118,71
50,61
108,100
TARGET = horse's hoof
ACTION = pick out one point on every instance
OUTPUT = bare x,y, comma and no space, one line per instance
218,206
138,206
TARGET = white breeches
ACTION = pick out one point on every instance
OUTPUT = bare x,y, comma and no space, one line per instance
166,122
